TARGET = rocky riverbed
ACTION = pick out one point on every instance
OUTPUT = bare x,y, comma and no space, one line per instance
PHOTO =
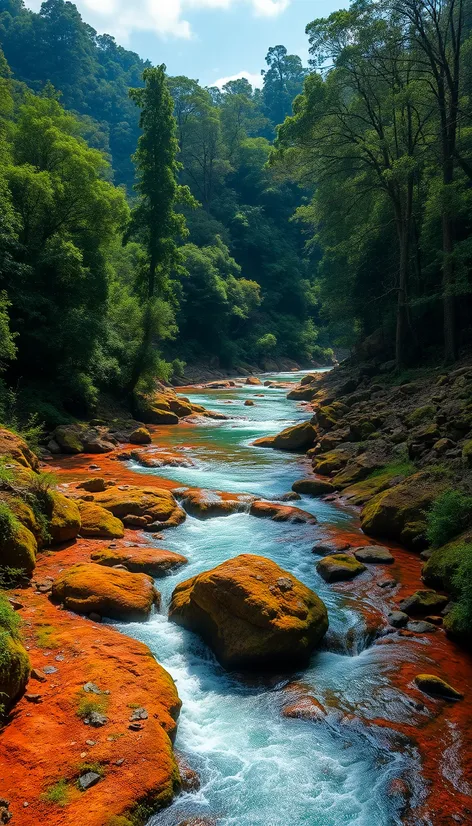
359,733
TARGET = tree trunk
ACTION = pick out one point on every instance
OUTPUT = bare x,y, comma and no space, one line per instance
449,301
401,337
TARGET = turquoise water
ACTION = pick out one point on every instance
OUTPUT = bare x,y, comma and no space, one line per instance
257,768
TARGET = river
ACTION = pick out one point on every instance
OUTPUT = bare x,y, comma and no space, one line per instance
256,767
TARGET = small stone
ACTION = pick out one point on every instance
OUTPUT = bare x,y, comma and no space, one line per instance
33,698
387,583
15,603
90,742
91,688
434,619
86,781
135,726
120,761
95,719
38,675
421,627
398,619
95,617
83,754
285,584
139,714
437,687
49,669
25,804
59,658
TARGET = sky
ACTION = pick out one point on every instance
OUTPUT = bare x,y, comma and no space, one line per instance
209,40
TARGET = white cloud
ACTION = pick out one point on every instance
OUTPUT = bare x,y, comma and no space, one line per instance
165,17
254,79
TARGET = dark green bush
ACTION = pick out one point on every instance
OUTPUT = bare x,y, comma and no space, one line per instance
450,514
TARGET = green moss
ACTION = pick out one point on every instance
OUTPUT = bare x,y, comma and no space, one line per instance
91,766
450,514
9,619
459,621
400,468
17,544
45,637
467,453
57,794
421,415
87,704
119,820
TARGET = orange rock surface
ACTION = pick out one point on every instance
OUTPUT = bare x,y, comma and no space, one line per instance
16,447
281,513
97,521
158,504
90,588
153,561
252,613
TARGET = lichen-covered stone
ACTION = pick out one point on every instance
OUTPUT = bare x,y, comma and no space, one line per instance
298,437
97,521
140,560
157,503
140,436
64,523
89,588
18,546
437,687
15,447
313,486
14,669
252,613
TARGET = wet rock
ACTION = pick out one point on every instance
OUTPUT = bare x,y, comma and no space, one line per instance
389,582
209,503
140,436
339,567
95,485
313,487
248,403
305,708
281,513
421,627
156,503
37,674
422,602
248,619
86,781
89,588
297,438
140,560
398,619
375,554
437,687
253,380
190,781
330,547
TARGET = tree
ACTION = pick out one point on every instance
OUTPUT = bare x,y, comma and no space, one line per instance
283,80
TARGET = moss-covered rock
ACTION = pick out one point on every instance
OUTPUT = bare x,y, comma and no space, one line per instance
339,567
252,613
69,438
423,602
467,453
296,438
140,560
15,447
437,687
399,513
97,521
140,436
421,415
14,669
89,588
157,504
18,546
64,523
313,487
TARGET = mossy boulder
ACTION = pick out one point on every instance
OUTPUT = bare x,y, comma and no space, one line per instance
97,521
440,568
339,567
140,560
313,487
64,523
399,513
423,414
252,613
157,504
423,602
14,669
296,438
18,546
328,416
15,447
69,438
89,588
140,436
360,492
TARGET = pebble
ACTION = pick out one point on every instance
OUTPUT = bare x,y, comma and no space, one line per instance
139,714
86,781
90,742
49,669
36,674
91,688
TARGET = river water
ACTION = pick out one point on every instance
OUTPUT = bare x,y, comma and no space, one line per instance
256,767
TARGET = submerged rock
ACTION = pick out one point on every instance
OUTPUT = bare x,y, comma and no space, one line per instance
313,487
375,554
437,687
252,613
206,503
339,567
281,513
89,588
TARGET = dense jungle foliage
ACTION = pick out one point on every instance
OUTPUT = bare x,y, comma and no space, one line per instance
146,221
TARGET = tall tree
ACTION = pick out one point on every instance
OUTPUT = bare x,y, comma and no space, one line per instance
283,80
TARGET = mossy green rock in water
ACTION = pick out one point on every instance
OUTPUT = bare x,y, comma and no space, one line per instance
437,687
14,669
252,613
299,437
399,513
339,567
313,487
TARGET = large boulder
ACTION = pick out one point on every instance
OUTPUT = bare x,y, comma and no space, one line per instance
252,613
18,546
89,588
281,513
15,447
295,438
140,560
205,503
399,513
158,505
140,436
423,602
97,521
64,523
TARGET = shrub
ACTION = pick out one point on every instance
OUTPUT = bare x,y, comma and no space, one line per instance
449,515
459,619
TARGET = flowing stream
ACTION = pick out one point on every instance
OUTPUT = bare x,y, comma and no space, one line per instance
258,768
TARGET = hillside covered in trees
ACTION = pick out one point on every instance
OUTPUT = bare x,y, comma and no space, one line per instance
331,208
